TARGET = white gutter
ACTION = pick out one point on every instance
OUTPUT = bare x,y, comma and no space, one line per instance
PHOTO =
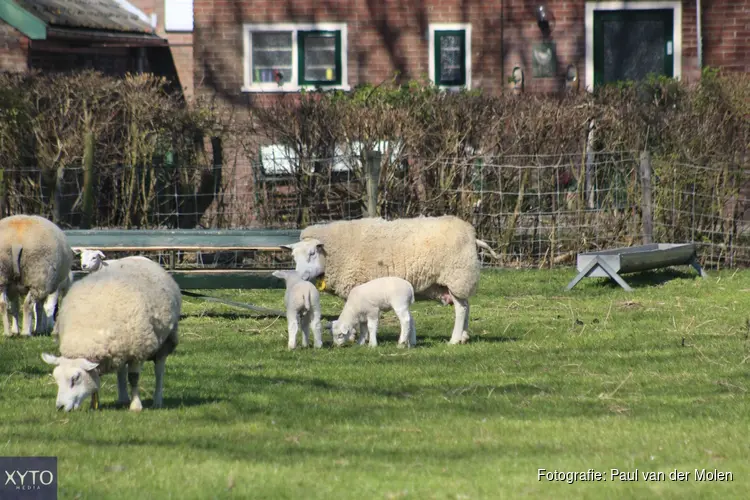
698,33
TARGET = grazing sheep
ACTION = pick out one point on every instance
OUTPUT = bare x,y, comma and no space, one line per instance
363,307
302,302
115,321
437,255
35,261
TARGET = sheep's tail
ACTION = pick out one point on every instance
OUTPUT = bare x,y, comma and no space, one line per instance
15,253
482,244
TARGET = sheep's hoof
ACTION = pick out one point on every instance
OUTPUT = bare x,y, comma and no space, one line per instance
402,345
136,405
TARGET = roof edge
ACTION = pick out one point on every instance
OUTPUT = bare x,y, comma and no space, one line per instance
22,20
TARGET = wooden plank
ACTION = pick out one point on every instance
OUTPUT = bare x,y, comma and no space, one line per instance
182,239
182,248
216,279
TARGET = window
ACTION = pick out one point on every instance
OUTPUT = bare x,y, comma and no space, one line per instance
450,55
289,57
631,41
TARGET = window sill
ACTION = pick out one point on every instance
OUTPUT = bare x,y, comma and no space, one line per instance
275,89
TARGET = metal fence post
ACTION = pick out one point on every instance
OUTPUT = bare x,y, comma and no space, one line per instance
372,172
646,203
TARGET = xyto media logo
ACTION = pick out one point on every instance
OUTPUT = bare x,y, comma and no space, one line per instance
28,478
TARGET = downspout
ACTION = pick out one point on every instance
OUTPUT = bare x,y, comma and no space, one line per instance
699,36
502,45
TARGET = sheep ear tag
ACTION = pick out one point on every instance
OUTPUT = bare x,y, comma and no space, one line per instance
320,284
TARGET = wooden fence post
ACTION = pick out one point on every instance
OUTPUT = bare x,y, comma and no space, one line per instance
3,194
646,203
88,180
372,172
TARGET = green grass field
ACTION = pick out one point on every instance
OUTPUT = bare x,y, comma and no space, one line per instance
597,378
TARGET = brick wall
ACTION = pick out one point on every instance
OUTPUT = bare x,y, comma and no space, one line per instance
181,44
391,35
14,49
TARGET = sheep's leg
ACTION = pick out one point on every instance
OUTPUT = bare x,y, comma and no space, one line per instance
363,333
122,386
372,326
292,325
413,332
29,305
14,330
404,317
134,375
460,335
40,319
5,309
317,328
49,310
305,326
159,365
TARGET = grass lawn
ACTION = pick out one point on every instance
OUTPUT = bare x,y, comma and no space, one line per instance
597,378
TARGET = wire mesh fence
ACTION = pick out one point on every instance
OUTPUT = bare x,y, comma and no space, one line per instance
536,210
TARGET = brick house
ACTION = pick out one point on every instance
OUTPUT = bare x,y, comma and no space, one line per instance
243,48
112,36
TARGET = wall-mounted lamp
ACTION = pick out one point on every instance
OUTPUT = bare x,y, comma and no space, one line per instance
543,19
516,80
571,78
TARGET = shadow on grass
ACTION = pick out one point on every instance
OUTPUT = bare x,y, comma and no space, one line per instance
251,315
167,403
649,278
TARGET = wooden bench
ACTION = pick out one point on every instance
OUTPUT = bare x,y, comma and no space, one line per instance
172,241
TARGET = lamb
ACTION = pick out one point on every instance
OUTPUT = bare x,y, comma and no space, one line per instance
302,302
437,255
115,321
93,260
35,260
363,307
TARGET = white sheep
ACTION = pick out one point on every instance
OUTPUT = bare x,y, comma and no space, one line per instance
115,321
437,255
35,261
363,308
302,302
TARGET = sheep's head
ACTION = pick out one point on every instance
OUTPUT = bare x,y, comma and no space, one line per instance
91,260
309,258
76,380
341,333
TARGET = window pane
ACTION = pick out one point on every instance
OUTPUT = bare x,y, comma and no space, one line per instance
320,57
272,55
451,63
633,48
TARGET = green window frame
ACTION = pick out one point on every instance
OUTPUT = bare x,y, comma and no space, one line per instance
302,42
666,16
439,35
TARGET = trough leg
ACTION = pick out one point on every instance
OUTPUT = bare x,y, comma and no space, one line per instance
597,262
159,365
696,265
134,375
460,335
584,272
122,386
613,274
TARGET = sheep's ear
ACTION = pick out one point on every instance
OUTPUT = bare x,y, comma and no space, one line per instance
99,253
50,359
289,246
277,274
88,365
76,251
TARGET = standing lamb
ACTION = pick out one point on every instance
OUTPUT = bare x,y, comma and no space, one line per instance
363,307
302,302
115,321
35,261
437,255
